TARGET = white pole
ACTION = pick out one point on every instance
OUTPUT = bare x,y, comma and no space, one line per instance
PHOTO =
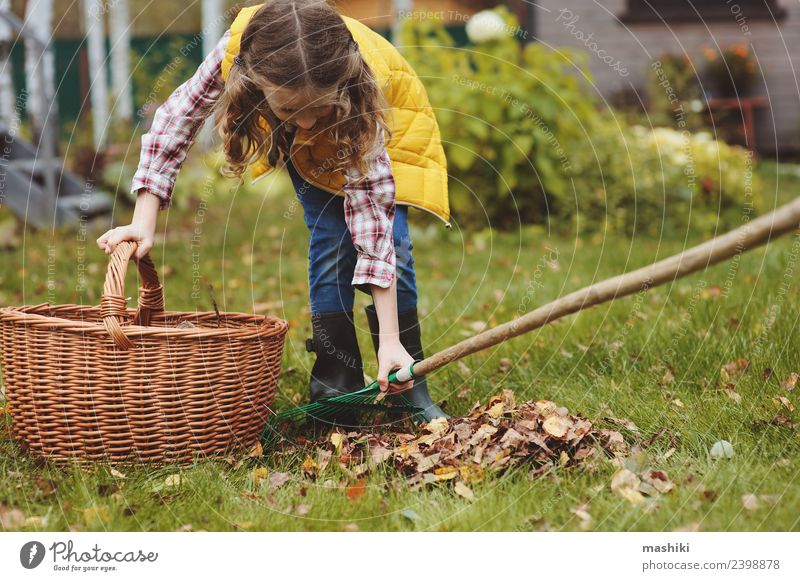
9,116
39,64
213,27
401,9
120,33
98,89
212,24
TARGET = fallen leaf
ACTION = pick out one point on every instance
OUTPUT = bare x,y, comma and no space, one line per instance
302,509
658,480
117,474
11,519
791,381
783,420
438,426
626,484
172,480
733,370
463,490
356,490
278,479
557,426
259,475
310,467
731,393
256,450
583,514
445,473
781,401
750,502
471,473
337,439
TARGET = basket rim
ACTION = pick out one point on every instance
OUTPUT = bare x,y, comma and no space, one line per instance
269,325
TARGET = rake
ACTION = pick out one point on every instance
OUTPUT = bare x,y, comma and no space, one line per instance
746,237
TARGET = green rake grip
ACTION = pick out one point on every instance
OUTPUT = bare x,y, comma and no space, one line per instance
363,399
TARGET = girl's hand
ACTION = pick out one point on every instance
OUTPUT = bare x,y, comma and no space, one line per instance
142,235
391,355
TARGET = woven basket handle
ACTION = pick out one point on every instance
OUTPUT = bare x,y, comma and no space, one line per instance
112,303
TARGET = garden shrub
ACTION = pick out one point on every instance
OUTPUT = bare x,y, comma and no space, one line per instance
527,141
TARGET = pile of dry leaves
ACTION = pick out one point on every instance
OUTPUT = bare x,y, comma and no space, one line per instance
490,439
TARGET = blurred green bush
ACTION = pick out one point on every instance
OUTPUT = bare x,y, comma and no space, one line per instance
528,141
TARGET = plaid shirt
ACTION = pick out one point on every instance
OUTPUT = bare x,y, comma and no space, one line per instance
369,204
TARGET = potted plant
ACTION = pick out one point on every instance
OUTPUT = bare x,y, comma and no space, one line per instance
732,72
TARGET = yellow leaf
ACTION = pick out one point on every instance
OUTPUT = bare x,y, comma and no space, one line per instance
310,466
471,473
256,451
496,410
337,439
259,475
445,473
172,480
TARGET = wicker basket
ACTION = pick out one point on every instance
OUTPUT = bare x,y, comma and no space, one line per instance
111,383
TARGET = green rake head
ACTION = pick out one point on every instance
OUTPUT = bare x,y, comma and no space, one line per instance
365,399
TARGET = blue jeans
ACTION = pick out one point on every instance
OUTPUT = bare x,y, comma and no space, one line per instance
332,256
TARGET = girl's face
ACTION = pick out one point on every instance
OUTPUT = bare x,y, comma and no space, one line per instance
292,108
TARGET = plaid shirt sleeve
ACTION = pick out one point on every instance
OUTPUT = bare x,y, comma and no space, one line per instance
369,209
175,125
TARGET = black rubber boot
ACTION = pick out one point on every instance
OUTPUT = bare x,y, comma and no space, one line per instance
410,340
338,368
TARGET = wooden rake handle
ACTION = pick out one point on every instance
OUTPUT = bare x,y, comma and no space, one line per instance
746,237
112,303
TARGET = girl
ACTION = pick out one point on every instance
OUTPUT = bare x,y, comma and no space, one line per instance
294,84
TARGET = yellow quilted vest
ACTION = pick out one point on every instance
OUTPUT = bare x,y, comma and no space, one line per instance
417,157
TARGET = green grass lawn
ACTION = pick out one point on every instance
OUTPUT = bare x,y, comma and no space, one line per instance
654,359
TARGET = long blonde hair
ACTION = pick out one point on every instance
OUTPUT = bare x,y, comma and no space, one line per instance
302,46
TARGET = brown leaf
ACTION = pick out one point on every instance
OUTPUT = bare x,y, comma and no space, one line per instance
781,401
278,479
783,420
256,450
791,381
733,370
730,391
658,480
